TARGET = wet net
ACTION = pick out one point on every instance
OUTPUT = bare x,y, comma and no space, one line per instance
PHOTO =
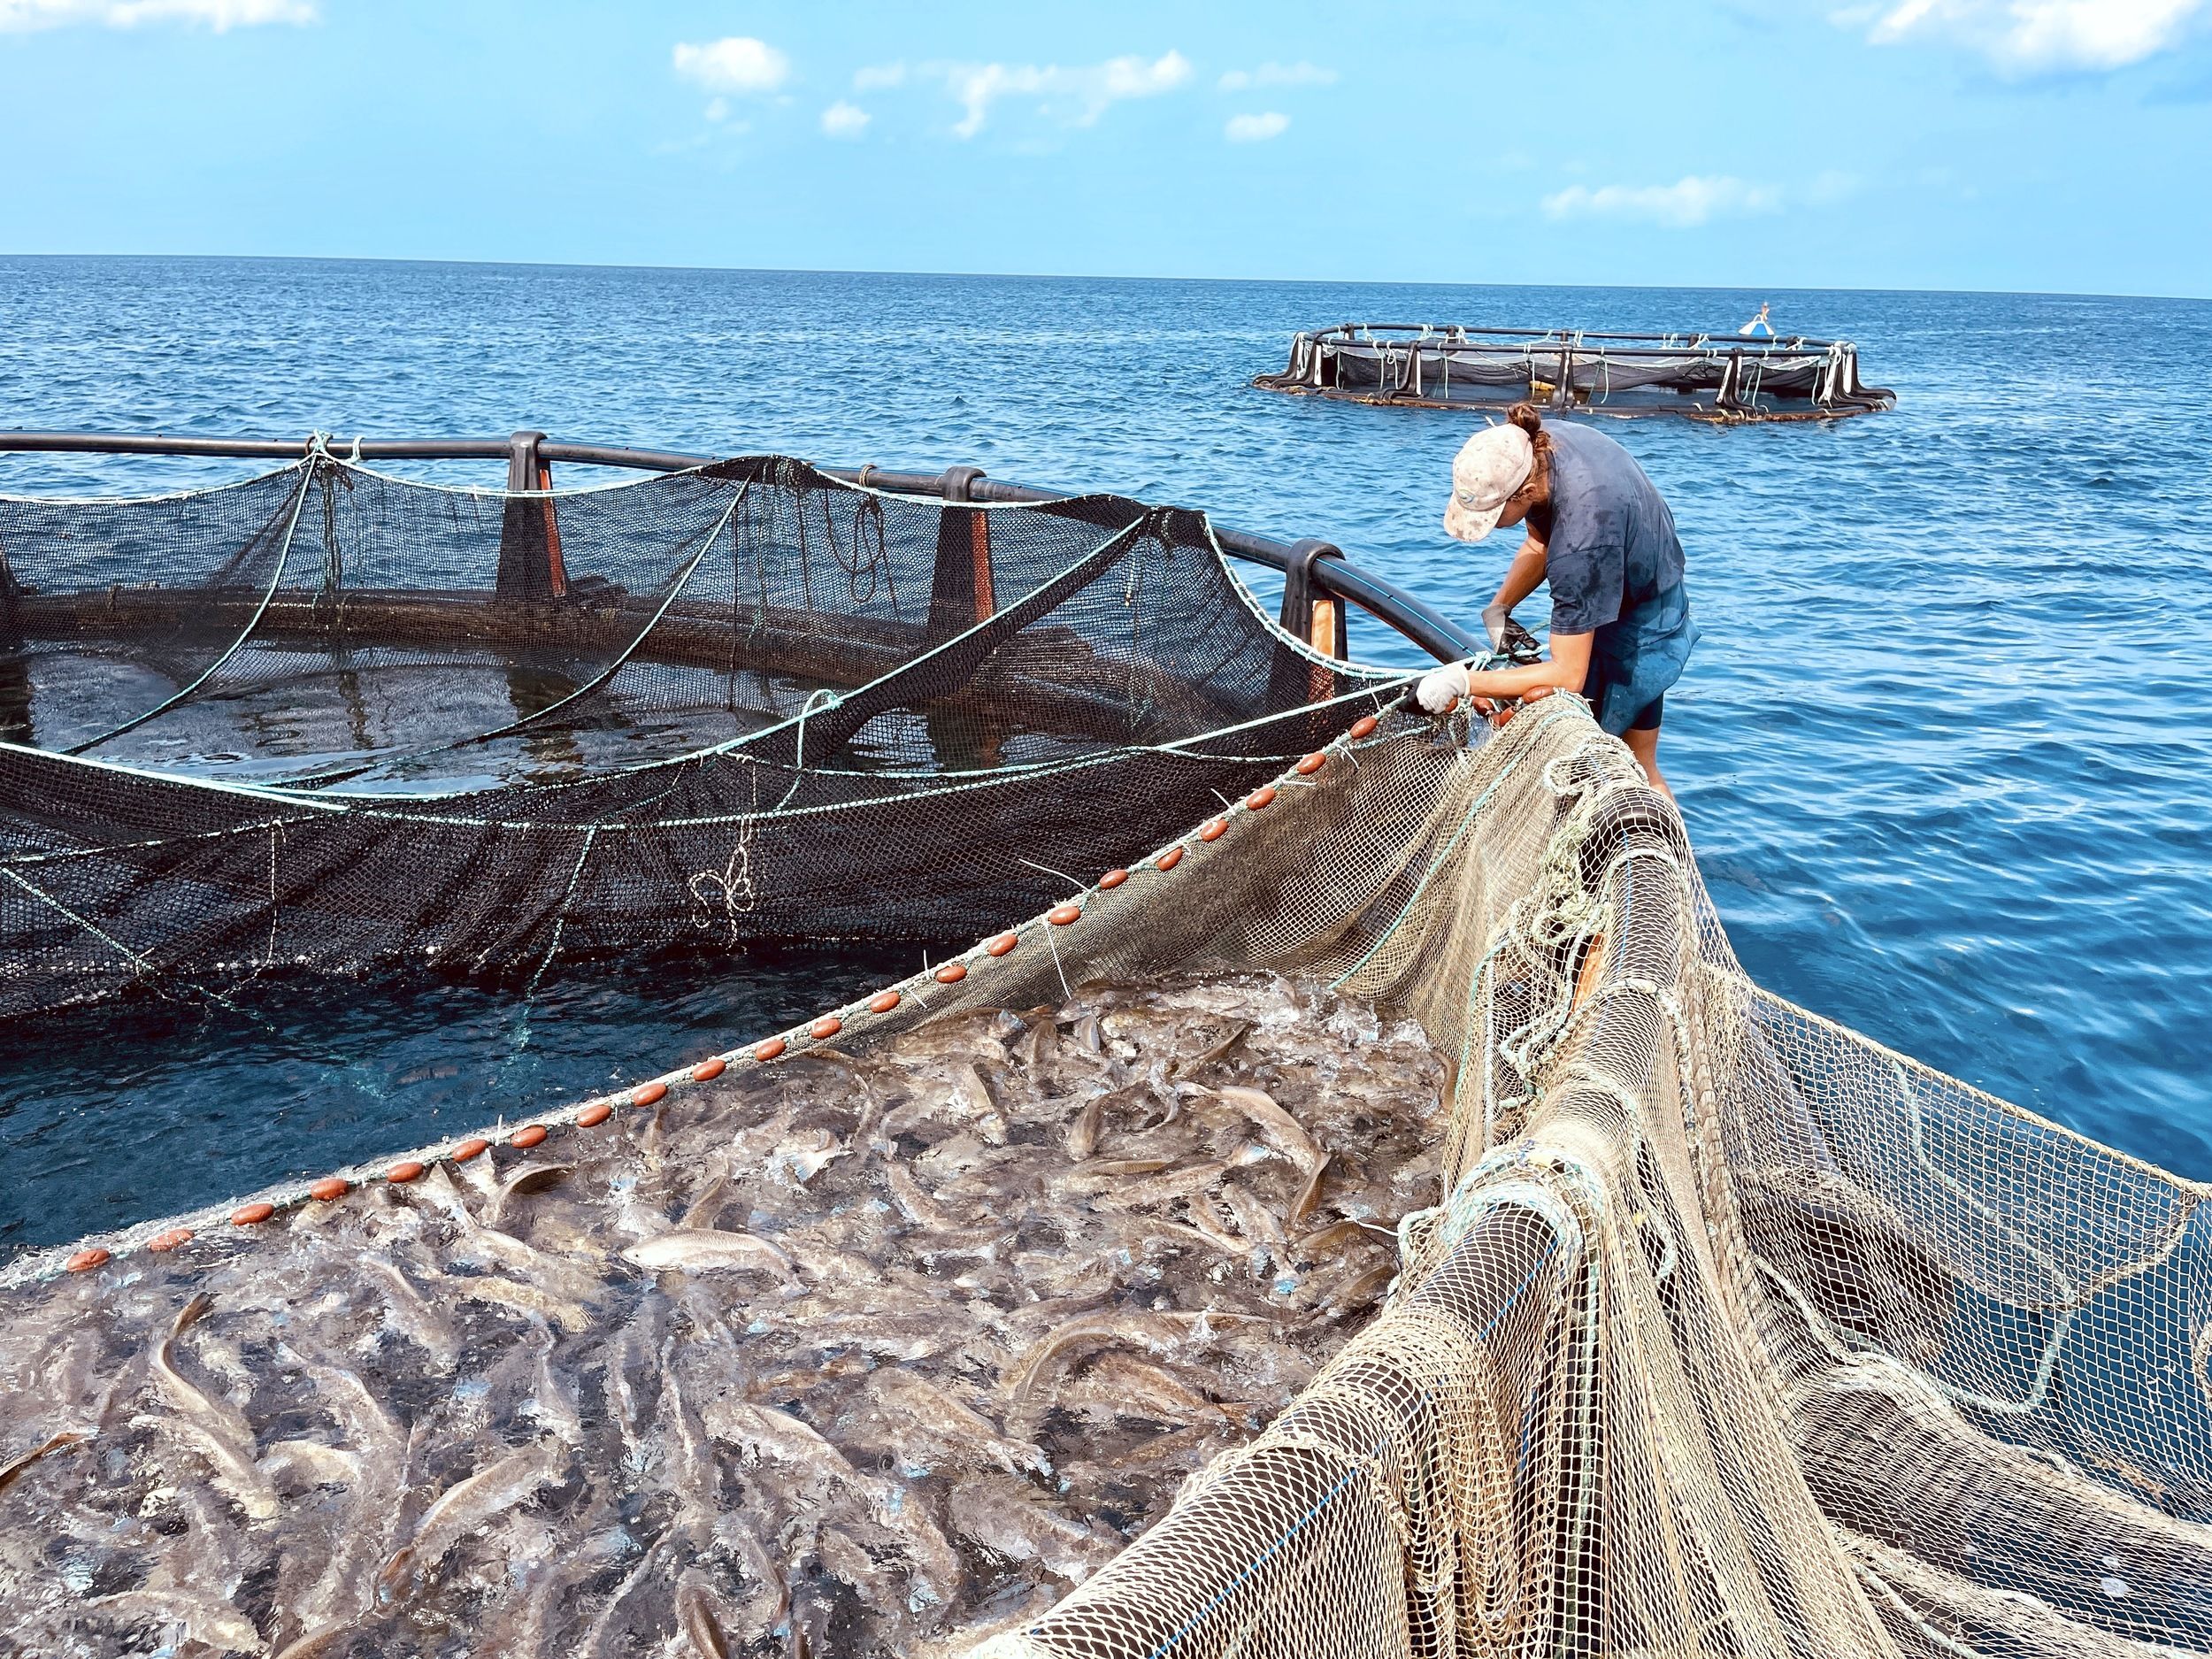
1736,1334
326,718
1439,366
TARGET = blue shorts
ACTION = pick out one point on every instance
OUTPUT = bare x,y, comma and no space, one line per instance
1645,719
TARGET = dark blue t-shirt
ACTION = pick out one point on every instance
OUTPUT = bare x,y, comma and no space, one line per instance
1614,565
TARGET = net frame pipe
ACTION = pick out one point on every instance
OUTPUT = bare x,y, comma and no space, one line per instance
1327,573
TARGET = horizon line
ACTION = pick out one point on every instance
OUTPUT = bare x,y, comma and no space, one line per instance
1060,276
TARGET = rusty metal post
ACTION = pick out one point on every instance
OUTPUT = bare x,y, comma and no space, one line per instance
960,589
530,567
1315,616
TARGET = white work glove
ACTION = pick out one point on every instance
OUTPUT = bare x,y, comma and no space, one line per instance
1493,621
1442,687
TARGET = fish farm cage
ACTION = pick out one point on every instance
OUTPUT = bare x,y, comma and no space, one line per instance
1732,1332
324,717
1725,379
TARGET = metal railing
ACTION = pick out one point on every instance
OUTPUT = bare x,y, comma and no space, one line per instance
1317,579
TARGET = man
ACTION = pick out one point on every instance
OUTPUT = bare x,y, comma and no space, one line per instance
1600,534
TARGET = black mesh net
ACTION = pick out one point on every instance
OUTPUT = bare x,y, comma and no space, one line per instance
327,717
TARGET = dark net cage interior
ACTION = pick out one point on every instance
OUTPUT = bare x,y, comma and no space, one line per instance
1727,379
326,718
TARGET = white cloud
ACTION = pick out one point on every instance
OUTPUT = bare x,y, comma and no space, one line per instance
737,63
1076,96
845,120
1277,75
1687,202
18,15
2028,35
1253,129
876,77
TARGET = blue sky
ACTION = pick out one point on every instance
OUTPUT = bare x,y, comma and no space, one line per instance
2036,144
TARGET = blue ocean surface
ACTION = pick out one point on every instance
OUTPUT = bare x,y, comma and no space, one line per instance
1942,751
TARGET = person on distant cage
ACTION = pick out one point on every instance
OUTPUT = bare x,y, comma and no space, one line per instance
1600,534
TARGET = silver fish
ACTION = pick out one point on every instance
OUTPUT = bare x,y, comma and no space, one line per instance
701,1250
204,1618
1158,1332
217,1430
1009,1518
467,1505
700,1618
523,1182
413,1316
15,1466
1276,1126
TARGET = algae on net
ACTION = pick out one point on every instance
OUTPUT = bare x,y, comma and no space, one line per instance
858,1354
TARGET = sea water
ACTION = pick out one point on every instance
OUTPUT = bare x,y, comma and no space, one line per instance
1942,751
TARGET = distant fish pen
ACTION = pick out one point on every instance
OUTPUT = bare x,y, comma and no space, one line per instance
1727,379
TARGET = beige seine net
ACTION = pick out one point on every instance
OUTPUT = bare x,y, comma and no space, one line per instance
1736,1334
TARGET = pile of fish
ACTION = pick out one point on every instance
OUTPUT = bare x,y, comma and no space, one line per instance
859,1353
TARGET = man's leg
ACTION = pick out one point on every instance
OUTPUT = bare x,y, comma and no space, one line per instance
1645,746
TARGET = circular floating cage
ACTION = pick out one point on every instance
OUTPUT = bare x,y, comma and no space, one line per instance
327,717
1725,378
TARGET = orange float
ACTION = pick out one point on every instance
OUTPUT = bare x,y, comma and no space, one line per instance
823,1029
528,1135
1312,764
1213,829
883,1001
407,1169
474,1147
648,1093
1111,879
251,1215
1260,800
707,1070
593,1115
1065,915
1364,726
772,1050
174,1239
952,974
330,1189
1591,970
1168,859
85,1260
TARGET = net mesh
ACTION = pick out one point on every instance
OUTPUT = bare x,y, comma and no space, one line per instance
1737,1334
328,717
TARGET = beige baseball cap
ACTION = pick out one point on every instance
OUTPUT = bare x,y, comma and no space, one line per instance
1488,468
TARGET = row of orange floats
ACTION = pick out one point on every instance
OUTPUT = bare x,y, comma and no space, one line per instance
333,1189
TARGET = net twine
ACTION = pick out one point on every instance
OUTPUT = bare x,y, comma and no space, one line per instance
1701,1353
